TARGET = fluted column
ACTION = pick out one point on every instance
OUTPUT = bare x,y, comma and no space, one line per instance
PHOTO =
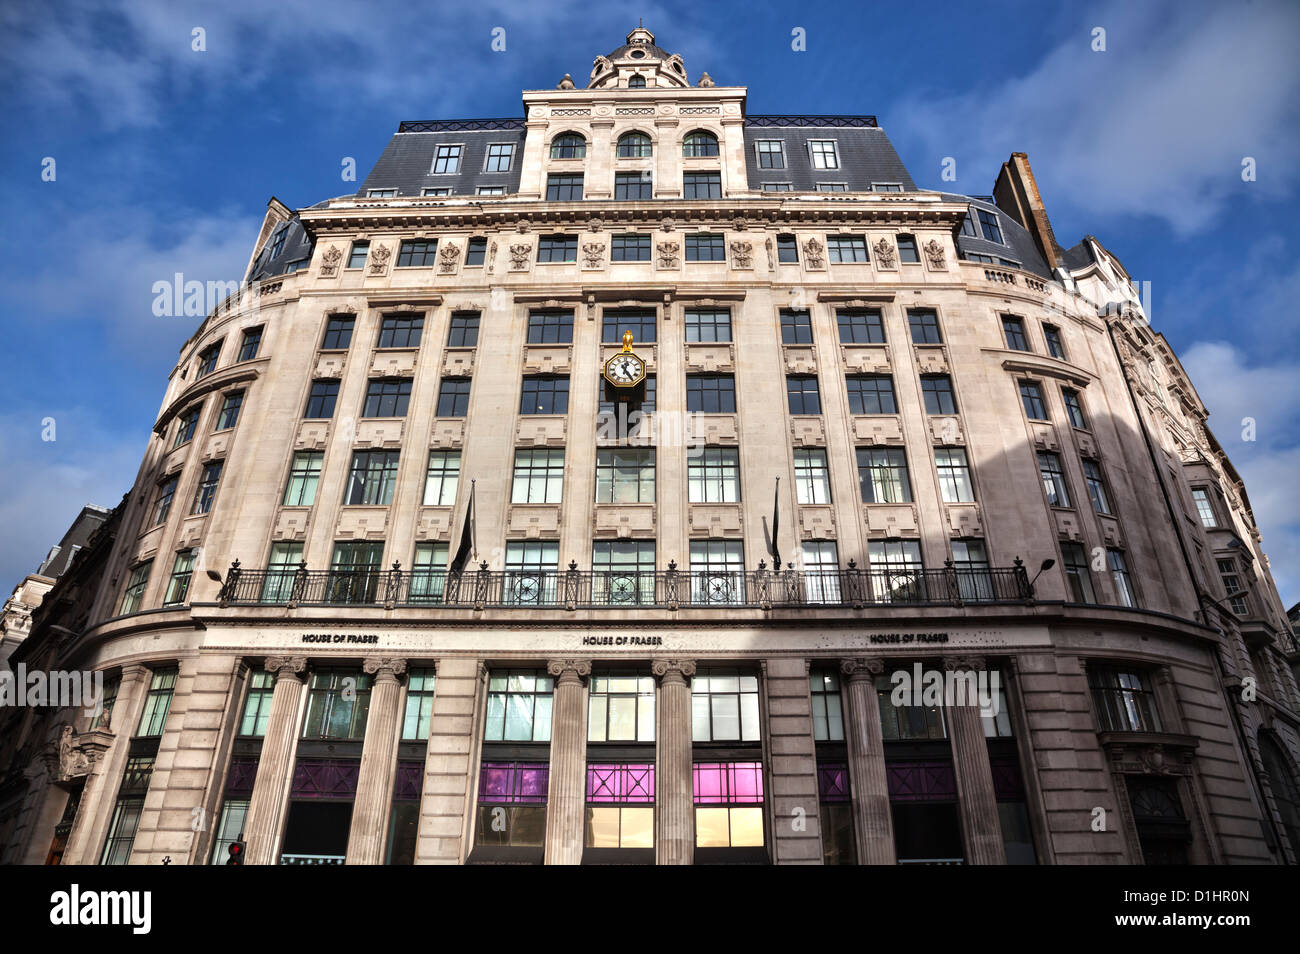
674,783
970,756
566,793
266,809
873,822
374,799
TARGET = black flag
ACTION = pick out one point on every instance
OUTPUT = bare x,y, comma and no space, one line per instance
774,545
466,538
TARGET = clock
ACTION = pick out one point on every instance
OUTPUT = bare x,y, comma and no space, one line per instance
627,368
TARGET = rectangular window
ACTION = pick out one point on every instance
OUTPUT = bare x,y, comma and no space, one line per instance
563,187
615,322
886,187
860,327
1014,329
320,402
185,427
802,394
630,248
1078,575
771,154
417,253
304,476
827,707
257,704
446,160
846,248
512,802
633,186
823,154
401,331
713,475
883,476
519,704
623,573
354,571
1232,585
338,705
787,249
955,485
871,394
453,397
1124,699
1074,408
896,570
620,805
970,562
166,494
989,223
441,479
832,187
708,324
208,360
550,327
557,248
229,414
157,703
717,572
429,573
372,478
462,330
281,572
544,394
1031,396
178,587
538,475
1204,509
1049,468
252,340
711,393
1055,347
207,489
134,592
796,327
907,251
776,187
968,226
702,185
277,244
418,716
625,476
475,251
127,811
490,190
705,247
499,157
728,804
812,476
1120,575
1097,492
924,325
724,706
357,254
621,708
338,333
387,397
436,191
937,391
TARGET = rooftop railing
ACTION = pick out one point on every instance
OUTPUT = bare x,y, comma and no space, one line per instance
623,588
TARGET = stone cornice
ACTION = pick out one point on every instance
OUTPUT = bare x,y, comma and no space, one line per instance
216,381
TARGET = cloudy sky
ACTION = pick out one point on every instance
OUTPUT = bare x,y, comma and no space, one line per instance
165,157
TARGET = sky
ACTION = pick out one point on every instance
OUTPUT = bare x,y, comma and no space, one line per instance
1173,135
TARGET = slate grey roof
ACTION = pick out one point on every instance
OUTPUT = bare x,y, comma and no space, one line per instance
865,152
297,246
407,162
1080,256
1017,244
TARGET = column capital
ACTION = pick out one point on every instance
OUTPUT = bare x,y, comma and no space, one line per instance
134,671
862,667
285,667
569,669
964,663
677,668
384,668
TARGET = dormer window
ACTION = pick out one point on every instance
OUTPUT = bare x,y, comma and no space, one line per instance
568,145
636,81
700,144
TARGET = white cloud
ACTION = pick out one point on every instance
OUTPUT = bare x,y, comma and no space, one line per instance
1156,125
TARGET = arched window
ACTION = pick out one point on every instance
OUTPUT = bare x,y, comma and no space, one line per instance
634,145
636,81
569,145
1286,792
700,143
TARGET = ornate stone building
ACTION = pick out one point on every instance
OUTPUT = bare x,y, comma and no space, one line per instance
428,562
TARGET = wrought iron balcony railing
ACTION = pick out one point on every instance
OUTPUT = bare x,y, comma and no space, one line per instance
623,588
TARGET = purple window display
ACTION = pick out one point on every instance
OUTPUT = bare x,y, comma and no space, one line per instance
409,782
921,781
1008,785
325,778
728,783
833,782
621,784
514,782
239,780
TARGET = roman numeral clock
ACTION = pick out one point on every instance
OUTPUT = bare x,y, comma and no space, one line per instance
626,369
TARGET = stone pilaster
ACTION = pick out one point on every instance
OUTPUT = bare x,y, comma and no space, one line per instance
674,783
873,822
451,762
264,825
970,757
374,799
566,796
792,762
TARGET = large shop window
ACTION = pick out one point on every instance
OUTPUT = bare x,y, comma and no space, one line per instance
835,808
234,807
338,705
728,810
620,819
320,811
923,799
511,823
404,824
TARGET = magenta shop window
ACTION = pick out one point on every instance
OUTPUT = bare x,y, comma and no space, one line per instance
621,784
409,782
514,782
833,782
921,781
728,783
239,780
325,778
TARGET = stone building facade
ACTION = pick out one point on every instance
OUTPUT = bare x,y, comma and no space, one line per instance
405,578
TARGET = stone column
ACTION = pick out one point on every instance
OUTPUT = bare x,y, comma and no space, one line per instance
374,800
266,810
674,782
566,795
970,757
873,822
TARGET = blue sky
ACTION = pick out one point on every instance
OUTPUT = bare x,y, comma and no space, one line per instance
165,158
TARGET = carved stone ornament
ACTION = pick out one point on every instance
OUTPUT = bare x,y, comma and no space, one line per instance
330,261
964,663
579,667
683,667
601,65
448,255
379,256
384,667
285,665
667,224
771,254
595,224
73,760
522,226
566,83
865,667
519,256
492,255
885,253
814,253
593,254
934,254
742,254
668,252
706,80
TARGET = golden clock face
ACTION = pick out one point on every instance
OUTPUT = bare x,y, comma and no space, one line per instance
625,369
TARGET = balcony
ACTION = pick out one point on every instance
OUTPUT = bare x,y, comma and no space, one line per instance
623,589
